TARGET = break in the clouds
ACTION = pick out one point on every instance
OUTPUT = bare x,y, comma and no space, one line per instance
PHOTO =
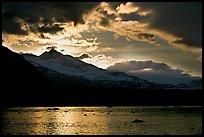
179,19
154,72
183,20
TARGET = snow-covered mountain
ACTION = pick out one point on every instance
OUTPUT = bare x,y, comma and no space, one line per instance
63,68
72,67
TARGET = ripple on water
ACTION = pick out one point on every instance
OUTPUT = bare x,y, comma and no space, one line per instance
96,120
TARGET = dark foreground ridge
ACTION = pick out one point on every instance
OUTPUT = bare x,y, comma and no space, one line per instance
22,84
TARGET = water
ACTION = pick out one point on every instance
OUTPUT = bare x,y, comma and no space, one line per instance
102,121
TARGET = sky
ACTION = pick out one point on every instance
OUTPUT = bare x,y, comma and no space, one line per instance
151,37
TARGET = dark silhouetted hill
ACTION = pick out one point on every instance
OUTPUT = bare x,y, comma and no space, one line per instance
19,74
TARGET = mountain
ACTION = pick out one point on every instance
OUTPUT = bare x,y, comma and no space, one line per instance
19,74
36,84
68,67
194,84
55,71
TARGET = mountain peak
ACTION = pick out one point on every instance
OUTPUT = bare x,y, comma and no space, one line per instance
53,51
51,54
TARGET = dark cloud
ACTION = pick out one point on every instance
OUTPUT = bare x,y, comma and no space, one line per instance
42,36
114,5
11,26
105,20
146,36
140,65
83,56
133,16
183,19
42,12
155,72
50,28
51,48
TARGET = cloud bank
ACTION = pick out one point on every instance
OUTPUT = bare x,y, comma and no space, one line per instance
155,72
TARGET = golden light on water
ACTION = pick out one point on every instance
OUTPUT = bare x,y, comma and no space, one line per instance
158,120
66,121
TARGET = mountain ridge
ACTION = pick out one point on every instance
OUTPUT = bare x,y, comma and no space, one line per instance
20,73
70,66
74,67
23,86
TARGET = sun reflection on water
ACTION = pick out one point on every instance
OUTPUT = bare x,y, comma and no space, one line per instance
99,121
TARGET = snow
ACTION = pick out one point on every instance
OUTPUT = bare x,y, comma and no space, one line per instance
71,66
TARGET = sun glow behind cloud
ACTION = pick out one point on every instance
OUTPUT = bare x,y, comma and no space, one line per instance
129,23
